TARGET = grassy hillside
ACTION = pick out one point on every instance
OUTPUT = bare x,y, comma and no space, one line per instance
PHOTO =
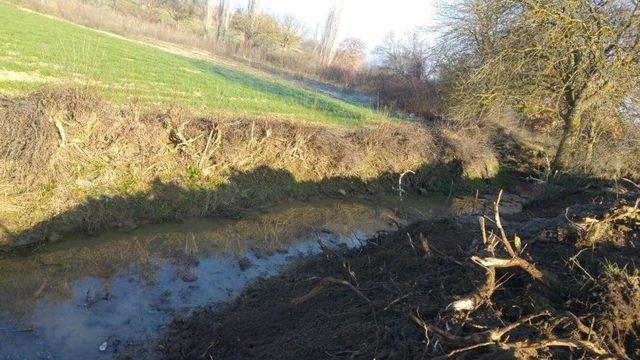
37,51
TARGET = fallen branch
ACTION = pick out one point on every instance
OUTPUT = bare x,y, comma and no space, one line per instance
546,343
493,337
481,297
490,263
322,286
632,183
500,253
401,190
339,262
545,278
488,337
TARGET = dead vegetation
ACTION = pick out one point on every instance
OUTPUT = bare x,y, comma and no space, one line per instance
497,338
615,227
72,161
444,288
137,24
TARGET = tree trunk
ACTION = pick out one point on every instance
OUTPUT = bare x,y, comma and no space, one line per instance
329,34
208,17
567,141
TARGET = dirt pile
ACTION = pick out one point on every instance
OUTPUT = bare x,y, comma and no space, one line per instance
454,287
70,160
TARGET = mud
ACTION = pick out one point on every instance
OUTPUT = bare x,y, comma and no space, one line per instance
69,299
364,302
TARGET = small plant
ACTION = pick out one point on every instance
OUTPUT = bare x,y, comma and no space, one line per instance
613,269
49,188
194,174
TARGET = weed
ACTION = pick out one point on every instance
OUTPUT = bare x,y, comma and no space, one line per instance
120,166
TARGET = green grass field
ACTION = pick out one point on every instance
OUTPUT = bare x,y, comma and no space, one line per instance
38,51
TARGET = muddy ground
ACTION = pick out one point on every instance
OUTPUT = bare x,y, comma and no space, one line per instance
426,291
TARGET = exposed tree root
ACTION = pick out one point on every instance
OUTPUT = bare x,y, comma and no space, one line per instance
499,253
490,262
488,337
494,337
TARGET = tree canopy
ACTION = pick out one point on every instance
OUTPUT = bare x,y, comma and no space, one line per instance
569,60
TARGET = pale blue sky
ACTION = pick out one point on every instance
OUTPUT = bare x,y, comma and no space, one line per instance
369,20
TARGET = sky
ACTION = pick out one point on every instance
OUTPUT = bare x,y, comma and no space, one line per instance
368,20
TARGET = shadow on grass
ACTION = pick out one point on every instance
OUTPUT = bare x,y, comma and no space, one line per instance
169,202
342,93
263,186
299,96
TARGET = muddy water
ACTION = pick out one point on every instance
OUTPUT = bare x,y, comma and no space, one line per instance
88,297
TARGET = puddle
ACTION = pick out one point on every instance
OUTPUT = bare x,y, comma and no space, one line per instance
73,299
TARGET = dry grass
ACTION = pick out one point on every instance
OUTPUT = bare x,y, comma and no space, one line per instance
473,150
616,297
125,166
615,154
107,19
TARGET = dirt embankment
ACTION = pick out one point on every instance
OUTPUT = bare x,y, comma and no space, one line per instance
567,287
71,161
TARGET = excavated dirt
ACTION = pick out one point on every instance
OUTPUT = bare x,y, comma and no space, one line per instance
392,298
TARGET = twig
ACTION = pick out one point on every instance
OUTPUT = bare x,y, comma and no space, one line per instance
632,183
397,300
401,190
206,149
483,227
571,343
574,259
430,247
475,201
338,261
322,285
494,337
503,234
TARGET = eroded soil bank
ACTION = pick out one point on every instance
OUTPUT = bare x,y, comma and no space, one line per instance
423,292
70,161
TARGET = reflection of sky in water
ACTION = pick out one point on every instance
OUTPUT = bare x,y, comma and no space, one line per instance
130,307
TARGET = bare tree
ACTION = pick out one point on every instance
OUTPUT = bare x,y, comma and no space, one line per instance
403,78
329,34
350,53
224,14
408,57
253,6
564,59
208,18
290,29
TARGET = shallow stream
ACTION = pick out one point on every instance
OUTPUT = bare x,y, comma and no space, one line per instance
88,297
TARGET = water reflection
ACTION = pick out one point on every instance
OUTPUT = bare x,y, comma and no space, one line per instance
74,298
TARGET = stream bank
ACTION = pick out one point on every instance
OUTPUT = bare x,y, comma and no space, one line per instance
394,297
70,161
